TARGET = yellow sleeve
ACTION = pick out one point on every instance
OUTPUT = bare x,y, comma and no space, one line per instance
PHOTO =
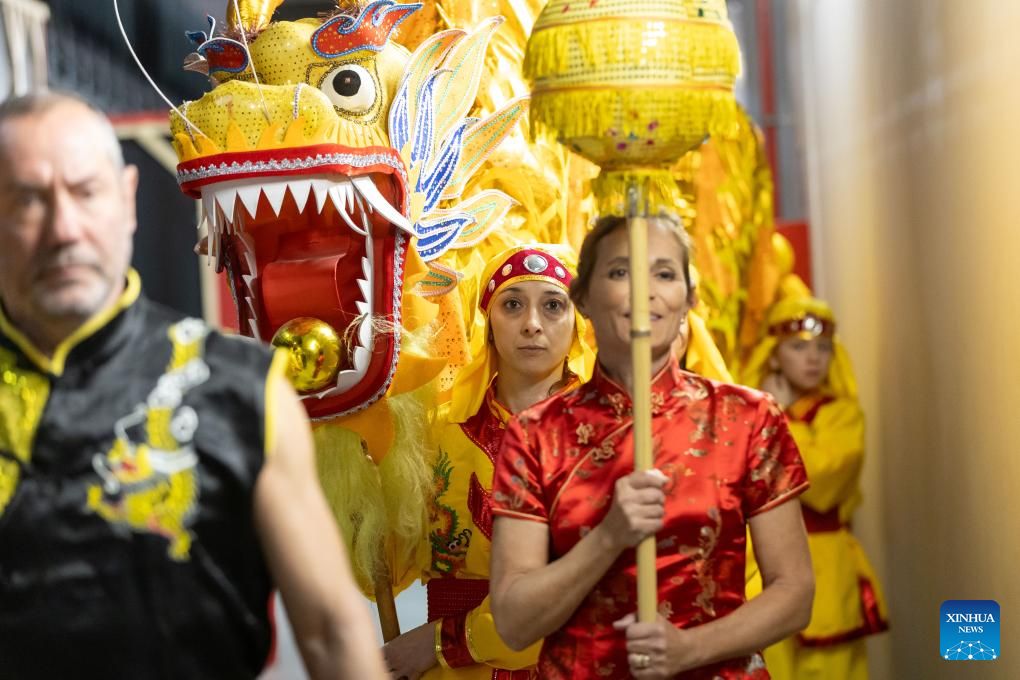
833,451
472,638
488,647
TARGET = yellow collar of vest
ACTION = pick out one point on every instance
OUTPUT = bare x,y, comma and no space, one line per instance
54,365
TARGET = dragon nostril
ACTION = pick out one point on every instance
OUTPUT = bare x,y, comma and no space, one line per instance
347,83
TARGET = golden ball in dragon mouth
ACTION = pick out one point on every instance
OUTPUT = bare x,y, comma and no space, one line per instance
314,349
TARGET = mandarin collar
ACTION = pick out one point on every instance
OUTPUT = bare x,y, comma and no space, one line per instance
497,408
664,385
100,334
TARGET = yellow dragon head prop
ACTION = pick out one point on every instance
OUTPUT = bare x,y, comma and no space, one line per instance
331,163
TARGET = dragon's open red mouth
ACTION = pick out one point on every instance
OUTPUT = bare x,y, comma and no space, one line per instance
316,231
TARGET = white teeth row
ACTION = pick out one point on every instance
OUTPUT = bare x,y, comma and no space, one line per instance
362,353
250,280
340,192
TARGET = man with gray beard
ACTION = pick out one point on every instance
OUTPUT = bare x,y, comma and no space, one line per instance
156,477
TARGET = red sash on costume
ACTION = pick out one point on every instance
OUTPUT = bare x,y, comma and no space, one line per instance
454,596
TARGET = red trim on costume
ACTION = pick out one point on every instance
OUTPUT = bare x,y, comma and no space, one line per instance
521,674
453,642
810,324
821,522
806,409
485,430
809,417
525,263
450,596
502,512
779,500
873,621
271,608
480,505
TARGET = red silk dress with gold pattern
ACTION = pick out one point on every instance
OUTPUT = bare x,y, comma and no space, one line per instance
728,455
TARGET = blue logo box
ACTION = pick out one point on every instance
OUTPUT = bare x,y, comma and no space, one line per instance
969,630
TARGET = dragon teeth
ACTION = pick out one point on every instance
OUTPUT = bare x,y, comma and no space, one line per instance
361,359
345,195
209,207
299,190
345,381
365,332
250,198
321,188
366,291
275,191
366,187
225,199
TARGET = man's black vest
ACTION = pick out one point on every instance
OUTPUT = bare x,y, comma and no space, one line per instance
127,470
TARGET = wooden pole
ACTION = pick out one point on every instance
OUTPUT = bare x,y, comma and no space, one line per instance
387,607
641,358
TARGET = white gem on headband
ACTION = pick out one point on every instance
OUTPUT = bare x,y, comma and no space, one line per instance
536,264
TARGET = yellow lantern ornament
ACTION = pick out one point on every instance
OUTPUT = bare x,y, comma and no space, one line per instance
314,349
633,85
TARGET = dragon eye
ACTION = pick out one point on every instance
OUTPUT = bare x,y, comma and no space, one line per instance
350,87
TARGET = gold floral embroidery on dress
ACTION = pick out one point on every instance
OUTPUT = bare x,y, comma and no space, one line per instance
693,388
584,433
23,396
658,402
519,483
768,466
701,555
607,451
618,402
149,477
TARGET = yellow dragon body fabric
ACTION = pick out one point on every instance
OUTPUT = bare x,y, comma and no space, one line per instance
333,166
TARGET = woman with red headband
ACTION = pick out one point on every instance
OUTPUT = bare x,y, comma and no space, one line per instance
803,364
570,507
528,344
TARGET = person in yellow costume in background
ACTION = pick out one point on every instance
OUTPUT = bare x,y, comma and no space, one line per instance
528,344
803,364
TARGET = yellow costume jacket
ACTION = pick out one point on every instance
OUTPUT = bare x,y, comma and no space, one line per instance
848,603
460,535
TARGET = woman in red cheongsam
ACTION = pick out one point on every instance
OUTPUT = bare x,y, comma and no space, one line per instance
570,508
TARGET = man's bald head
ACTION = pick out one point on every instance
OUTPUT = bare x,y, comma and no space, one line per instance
38,103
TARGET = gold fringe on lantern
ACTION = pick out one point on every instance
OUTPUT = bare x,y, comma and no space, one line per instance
560,53
624,124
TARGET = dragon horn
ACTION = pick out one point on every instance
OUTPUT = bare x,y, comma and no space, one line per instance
255,14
